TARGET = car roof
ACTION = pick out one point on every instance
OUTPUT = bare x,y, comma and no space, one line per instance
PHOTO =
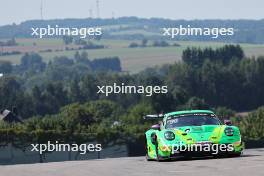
189,112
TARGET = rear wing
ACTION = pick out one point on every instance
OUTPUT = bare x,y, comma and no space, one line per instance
153,116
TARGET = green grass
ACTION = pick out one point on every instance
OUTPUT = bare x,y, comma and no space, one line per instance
132,59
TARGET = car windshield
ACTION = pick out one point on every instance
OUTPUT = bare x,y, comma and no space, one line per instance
191,120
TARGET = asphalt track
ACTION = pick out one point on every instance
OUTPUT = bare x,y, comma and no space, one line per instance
250,164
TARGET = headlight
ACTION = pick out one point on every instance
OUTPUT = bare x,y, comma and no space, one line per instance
169,135
229,131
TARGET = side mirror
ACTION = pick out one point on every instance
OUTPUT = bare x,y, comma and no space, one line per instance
227,122
155,127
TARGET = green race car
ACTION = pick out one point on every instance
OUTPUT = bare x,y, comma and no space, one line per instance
191,133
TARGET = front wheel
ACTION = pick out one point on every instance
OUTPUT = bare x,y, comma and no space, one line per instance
147,156
238,154
157,151
147,150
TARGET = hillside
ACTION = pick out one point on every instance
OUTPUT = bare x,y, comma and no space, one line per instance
246,31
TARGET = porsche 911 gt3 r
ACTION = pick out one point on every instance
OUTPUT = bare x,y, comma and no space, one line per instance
191,133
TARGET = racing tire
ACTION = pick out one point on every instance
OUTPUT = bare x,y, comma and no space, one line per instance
157,152
233,155
146,149
147,156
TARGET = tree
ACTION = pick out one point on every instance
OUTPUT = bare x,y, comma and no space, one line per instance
77,55
82,58
252,126
5,67
88,87
225,54
196,103
144,42
161,43
105,64
77,113
62,60
67,39
75,92
224,113
10,90
133,45
32,62
103,109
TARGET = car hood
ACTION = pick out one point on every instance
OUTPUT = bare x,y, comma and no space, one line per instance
199,133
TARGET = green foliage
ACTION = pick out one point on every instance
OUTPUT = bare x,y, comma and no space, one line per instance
12,95
252,125
64,104
103,109
105,64
224,113
218,83
133,124
161,43
91,45
133,45
77,113
32,63
67,39
197,56
144,42
5,67
196,103
136,113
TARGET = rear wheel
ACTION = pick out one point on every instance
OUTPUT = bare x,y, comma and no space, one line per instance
157,152
146,149
148,158
238,154
155,142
